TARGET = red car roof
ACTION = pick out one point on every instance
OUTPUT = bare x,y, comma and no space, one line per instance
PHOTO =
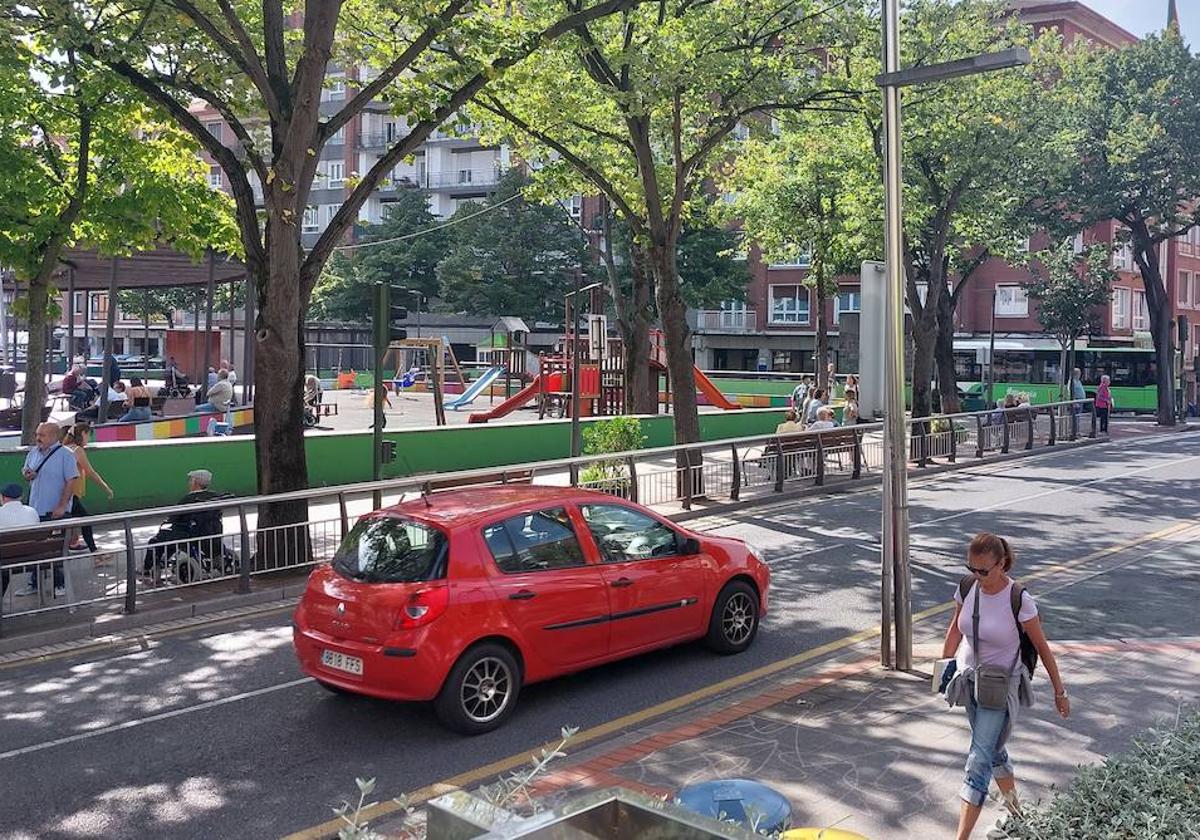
462,507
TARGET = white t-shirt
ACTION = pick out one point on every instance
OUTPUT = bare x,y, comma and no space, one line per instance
15,514
997,630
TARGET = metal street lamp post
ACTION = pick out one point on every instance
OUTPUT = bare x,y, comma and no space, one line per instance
895,477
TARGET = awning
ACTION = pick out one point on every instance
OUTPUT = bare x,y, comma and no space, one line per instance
160,268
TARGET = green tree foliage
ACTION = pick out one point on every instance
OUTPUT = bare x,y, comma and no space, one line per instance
86,162
709,271
1130,128
794,193
160,303
518,258
262,64
408,260
637,107
1069,288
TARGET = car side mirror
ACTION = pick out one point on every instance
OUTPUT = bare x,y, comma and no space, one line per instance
689,546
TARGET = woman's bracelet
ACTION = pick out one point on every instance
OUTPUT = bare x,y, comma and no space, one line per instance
1062,693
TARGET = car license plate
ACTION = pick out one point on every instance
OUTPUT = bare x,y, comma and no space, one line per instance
342,662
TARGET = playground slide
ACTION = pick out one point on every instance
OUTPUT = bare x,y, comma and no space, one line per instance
468,396
529,392
710,391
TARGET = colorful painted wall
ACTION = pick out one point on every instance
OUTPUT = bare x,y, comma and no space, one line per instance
150,473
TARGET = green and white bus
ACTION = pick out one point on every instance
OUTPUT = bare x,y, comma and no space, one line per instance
1033,367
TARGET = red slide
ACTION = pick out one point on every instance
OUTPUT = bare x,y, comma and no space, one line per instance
529,392
714,396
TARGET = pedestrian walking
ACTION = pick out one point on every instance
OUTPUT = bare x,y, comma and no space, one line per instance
76,439
1104,402
995,638
51,470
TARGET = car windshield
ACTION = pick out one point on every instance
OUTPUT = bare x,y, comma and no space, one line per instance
392,550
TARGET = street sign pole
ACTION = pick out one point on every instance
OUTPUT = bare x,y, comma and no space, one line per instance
895,477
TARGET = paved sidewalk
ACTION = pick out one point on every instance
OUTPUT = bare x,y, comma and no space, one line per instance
874,751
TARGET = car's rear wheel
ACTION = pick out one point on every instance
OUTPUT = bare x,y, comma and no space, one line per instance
481,691
734,621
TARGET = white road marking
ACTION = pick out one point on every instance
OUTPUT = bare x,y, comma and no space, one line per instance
130,724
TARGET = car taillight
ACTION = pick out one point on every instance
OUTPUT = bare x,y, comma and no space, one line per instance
422,607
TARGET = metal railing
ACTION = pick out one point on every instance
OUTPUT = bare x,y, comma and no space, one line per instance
719,321
231,540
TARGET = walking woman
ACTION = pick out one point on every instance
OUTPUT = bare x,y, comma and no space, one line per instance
76,440
1104,402
991,678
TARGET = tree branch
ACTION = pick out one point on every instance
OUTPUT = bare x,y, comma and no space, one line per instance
277,75
403,61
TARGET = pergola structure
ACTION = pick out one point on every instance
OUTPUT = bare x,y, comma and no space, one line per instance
88,270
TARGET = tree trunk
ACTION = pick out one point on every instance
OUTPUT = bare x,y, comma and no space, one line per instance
35,355
279,387
947,378
641,380
1145,254
924,340
1064,376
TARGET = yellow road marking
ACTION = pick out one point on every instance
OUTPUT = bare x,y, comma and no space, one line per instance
503,765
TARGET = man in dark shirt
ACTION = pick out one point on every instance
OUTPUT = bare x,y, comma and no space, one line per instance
188,525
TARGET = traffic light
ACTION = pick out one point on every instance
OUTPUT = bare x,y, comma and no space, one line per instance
397,312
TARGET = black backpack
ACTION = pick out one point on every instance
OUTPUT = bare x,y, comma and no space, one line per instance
1029,654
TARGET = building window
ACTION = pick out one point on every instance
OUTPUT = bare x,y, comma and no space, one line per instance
216,129
328,211
1185,286
1077,243
311,224
336,90
1120,309
1141,315
734,314
464,176
575,206
419,166
337,173
789,305
338,138
798,261
1011,302
1122,256
214,177
846,302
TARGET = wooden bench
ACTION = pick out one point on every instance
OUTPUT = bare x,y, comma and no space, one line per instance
503,477
829,441
176,406
25,550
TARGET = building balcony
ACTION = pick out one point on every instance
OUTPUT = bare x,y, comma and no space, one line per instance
724,321
463,179
379,139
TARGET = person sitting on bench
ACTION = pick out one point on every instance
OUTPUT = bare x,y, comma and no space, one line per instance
188,525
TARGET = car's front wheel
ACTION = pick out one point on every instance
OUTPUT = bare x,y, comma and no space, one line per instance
734,621
481,691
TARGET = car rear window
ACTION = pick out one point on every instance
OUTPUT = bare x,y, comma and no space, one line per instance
392,550
534,542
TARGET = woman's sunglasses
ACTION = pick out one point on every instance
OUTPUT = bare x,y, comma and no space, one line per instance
981,572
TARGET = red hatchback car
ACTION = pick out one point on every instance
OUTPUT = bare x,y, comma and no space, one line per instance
463,597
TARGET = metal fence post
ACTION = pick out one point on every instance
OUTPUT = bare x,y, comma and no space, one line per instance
342,512
978,436
574,471
131,570
244,572
778,465
735,490
1092,406
857,455
687,479
631,465
820,478
1029,420
1004,437
1053,439
925,428
1074,421
953,440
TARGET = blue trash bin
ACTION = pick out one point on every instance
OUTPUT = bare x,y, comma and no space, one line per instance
751,804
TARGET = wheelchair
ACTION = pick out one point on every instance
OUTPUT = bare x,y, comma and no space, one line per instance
201,559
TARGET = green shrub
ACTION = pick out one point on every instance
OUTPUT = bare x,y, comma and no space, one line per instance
616,434
1148,793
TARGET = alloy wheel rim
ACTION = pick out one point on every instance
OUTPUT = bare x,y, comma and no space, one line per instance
486,688
737,620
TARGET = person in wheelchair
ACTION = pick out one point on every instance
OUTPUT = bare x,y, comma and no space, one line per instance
192,527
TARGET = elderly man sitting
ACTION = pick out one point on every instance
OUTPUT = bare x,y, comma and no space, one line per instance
188,525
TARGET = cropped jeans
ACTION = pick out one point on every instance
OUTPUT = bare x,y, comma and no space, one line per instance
988,757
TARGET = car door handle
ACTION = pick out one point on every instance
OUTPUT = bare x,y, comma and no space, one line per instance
622,582
523,595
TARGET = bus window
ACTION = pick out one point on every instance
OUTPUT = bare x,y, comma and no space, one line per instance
1014,366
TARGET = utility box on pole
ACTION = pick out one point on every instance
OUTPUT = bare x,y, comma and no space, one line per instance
871,323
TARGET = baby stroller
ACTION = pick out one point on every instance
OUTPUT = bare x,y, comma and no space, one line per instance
82,396
176,385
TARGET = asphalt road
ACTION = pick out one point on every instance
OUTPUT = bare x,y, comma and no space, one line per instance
214,733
